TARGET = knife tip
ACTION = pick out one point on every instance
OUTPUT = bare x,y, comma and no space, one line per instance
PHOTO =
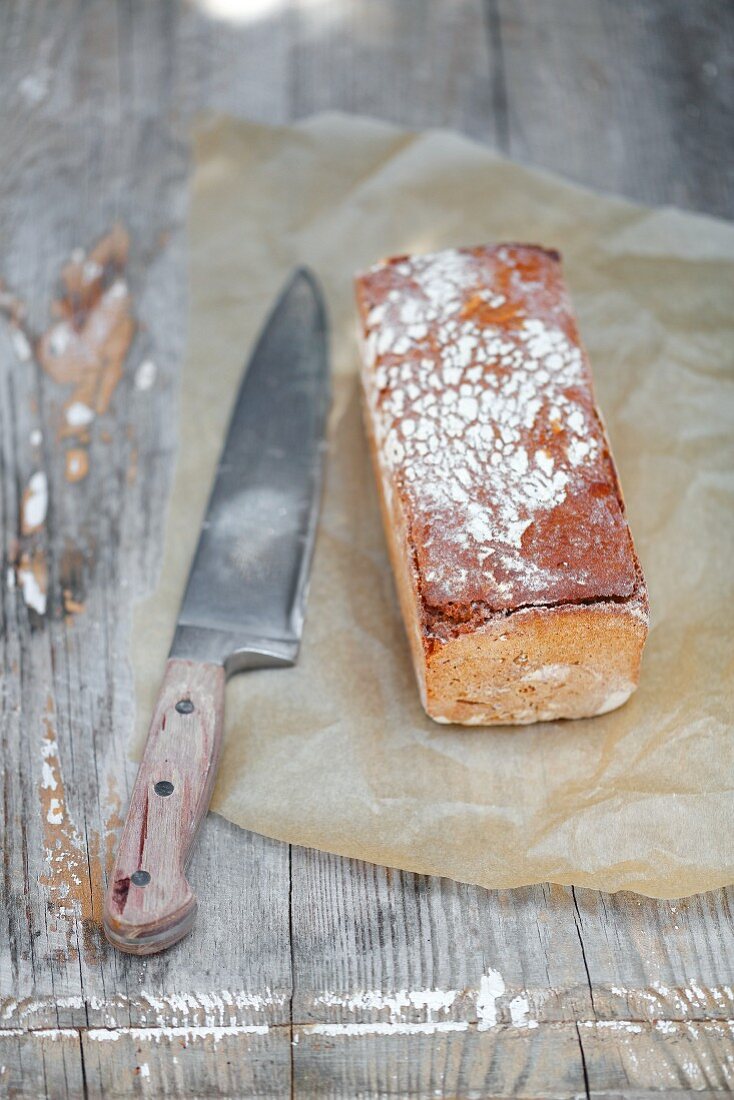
305,274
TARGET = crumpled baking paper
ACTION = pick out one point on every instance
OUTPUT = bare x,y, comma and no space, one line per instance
337,752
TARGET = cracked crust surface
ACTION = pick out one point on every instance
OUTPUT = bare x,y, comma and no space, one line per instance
518,580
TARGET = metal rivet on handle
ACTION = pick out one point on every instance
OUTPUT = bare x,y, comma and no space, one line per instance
140,878
163,787
184,706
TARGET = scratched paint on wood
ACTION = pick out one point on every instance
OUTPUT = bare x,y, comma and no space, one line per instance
31,576
87,344
72,874
332,943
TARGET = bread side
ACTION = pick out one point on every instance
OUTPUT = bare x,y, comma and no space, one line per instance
519,585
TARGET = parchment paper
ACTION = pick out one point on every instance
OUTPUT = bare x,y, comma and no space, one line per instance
337,753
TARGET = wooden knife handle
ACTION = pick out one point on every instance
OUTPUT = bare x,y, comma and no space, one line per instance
149,903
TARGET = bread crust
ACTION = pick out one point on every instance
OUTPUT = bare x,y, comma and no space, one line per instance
539,611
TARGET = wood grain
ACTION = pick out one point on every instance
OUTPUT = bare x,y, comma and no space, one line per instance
150,904
96,103
628,98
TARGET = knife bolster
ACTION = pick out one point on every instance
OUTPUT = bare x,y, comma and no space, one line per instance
233,651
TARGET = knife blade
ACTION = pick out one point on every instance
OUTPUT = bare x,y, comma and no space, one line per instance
243,608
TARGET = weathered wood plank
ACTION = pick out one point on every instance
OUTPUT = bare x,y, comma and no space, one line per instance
41,1064
650,960
415,63
175,1061
470,1063
633,98
635,1060
95,107
201,1062
609,1059
554,1060
91,142
383,937
371,944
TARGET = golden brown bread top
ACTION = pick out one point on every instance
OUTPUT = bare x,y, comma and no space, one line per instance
486,427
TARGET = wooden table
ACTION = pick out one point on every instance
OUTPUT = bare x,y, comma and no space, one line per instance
307,975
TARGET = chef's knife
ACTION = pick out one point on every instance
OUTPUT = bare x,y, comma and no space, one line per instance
243,609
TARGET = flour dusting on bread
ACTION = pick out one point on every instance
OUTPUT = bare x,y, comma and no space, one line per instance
481,401
521,592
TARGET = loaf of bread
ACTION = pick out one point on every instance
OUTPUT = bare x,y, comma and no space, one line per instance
518,581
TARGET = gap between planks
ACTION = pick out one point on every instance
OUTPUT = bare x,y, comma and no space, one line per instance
670,1028
492,1003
